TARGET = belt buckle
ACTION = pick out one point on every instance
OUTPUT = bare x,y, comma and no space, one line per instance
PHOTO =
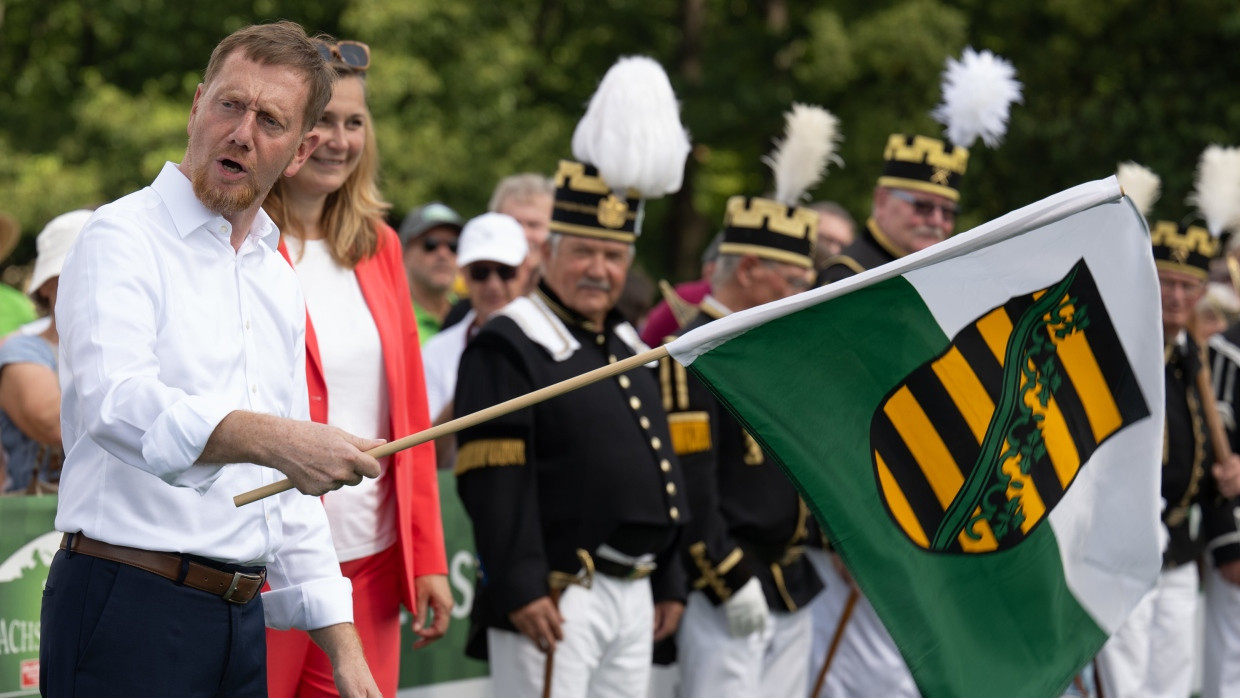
641,570
237,577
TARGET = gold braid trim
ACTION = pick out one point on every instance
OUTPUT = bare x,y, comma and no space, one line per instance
489,452
778,573
713,576
1177,514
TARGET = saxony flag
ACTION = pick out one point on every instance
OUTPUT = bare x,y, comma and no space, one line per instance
978,427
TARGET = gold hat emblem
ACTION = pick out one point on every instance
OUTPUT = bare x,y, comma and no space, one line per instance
1180,254
941,176
613,211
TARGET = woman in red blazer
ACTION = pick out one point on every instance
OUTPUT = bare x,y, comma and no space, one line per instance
364,370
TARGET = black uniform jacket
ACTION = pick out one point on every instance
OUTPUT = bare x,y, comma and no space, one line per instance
567,473
1187,460
748,519
870,249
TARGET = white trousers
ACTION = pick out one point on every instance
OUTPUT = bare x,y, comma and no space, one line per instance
714,664
1151,655
866,663
1220,676
606,650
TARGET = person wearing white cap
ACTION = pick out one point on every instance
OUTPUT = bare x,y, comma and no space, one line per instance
29,387
492,249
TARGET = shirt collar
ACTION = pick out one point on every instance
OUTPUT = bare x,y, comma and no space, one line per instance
713,308
189,214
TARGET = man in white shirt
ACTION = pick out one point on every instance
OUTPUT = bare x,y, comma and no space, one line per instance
491,255
182,370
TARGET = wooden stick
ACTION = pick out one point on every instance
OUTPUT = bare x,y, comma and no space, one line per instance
1209,409
469,420
849,605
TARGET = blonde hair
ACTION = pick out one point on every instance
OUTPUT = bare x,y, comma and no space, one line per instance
353,213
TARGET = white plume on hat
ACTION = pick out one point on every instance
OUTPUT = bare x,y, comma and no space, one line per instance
811,135
1216,192
978,91
1139,184
632,132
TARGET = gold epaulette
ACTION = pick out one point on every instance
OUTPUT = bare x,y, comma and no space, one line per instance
489,452
690,432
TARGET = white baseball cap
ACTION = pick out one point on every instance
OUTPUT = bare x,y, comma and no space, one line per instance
492,237
53,245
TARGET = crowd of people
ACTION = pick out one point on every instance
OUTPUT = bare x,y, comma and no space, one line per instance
252,316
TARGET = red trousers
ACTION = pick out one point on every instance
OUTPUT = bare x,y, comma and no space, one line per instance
297,668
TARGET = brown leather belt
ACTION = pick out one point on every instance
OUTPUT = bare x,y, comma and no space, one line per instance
233,587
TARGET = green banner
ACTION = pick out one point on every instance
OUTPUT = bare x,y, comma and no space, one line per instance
28,541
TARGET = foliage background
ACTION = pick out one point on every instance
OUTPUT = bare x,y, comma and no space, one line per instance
94,94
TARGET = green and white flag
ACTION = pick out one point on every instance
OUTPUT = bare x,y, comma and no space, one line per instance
978,427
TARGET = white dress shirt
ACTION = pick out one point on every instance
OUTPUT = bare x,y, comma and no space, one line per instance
164,330
441,357
362,517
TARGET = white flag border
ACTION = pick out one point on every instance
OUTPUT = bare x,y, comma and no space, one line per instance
689,346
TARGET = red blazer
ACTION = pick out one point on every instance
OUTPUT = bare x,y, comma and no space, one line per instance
386,290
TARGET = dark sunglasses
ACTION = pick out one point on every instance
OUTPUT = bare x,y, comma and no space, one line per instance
354,54
432,244
925,208
482,272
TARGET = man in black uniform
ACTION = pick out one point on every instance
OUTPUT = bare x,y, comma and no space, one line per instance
914,205
577,502
744,548
1153,652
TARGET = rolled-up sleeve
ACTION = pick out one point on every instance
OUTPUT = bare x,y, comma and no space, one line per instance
307,589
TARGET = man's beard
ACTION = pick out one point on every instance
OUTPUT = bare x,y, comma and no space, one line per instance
225,202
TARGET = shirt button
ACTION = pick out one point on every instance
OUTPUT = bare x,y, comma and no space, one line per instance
624,381
644,422
600,340
674,513
635,403
671,489
247,324
665,465
611,359
254,388
656,443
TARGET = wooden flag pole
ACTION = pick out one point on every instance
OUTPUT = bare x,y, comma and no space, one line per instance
469,420
1209,409
849,605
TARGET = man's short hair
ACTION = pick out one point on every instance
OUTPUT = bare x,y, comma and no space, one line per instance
521,187
284,44
834,209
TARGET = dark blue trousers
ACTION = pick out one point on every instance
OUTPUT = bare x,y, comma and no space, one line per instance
109,629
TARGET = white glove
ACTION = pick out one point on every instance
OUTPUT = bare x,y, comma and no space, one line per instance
747,610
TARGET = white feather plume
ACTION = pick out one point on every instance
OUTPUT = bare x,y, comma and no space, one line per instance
1216,191
632,132
978,91
1139,184
811,135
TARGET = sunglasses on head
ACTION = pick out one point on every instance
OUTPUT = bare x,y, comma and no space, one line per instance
432,244
925,208
482,272
354,54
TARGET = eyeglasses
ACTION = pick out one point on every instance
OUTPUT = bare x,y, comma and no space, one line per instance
482,272
432,244
354,54
923,207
